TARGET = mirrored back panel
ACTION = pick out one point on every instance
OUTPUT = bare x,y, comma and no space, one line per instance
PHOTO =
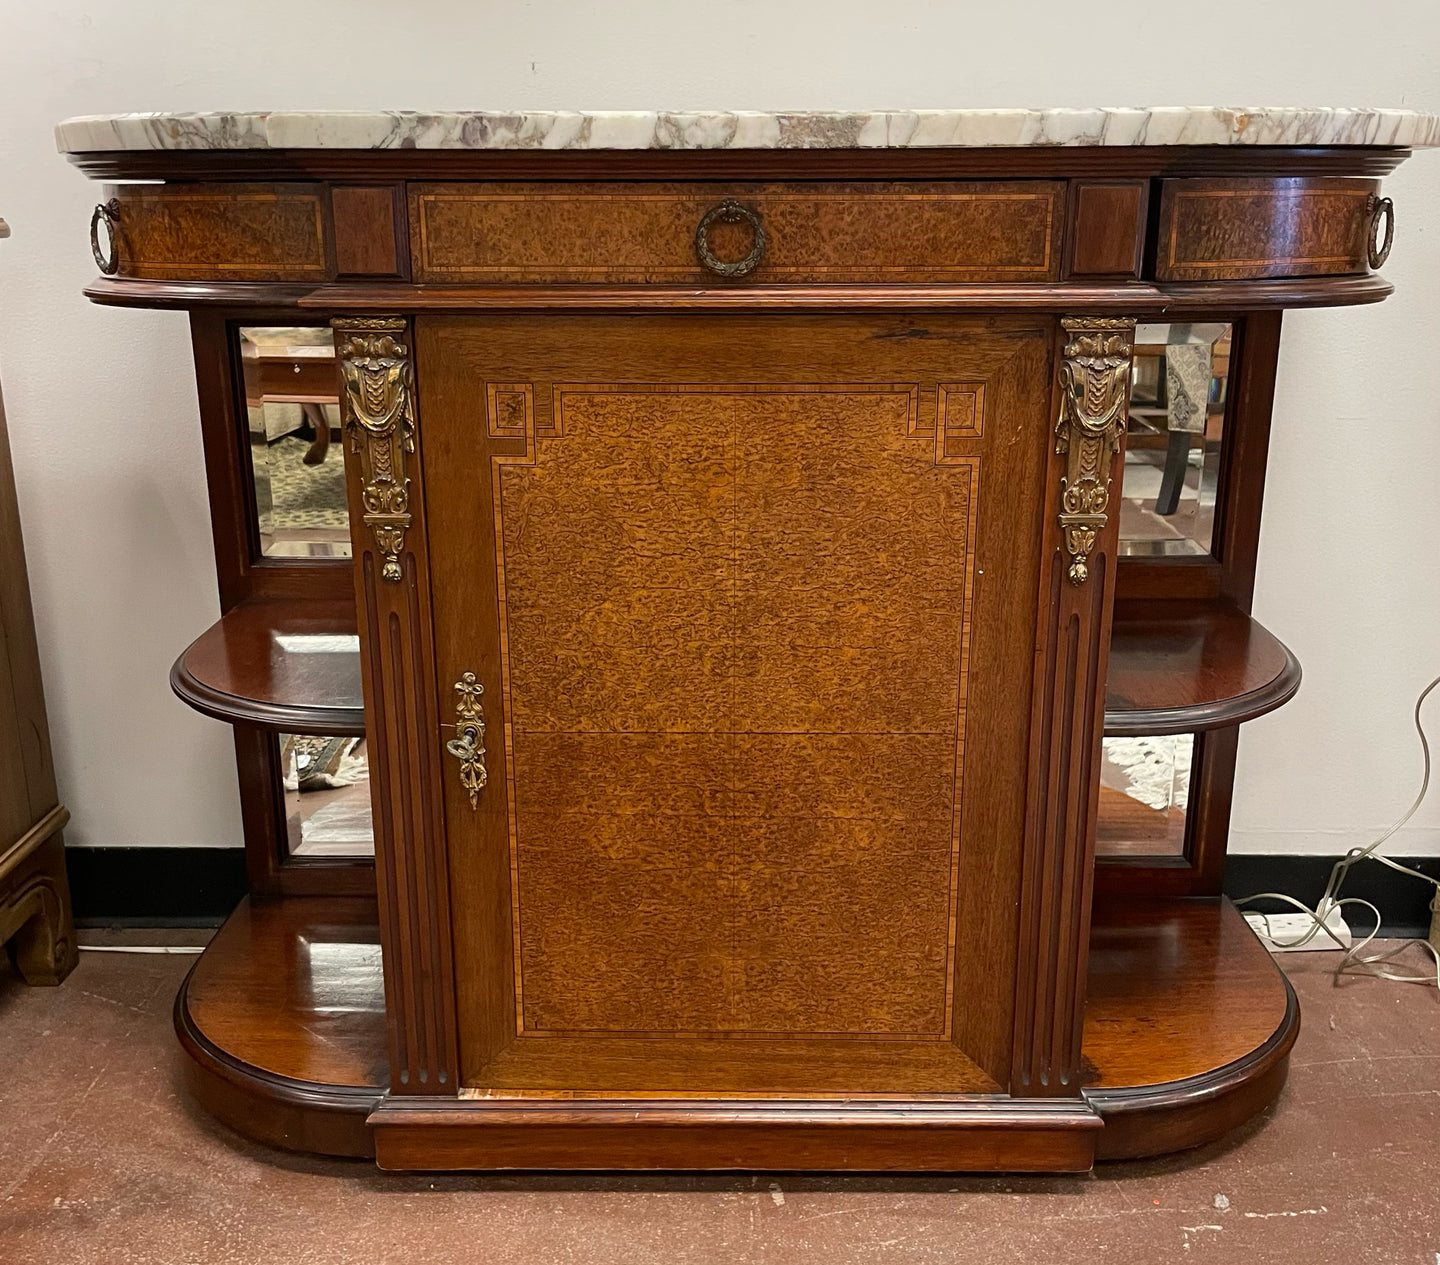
1172,455
292,403
326,784
1144,796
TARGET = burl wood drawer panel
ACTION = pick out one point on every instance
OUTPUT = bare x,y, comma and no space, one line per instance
823,232
1216,230
222,232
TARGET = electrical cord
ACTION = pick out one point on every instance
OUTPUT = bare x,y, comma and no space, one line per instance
1356,961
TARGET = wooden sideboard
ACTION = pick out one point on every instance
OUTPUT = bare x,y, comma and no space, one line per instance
35,921
736,604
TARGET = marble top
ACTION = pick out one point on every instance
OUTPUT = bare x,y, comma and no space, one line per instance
397,129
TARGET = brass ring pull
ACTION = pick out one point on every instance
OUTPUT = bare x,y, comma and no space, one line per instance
1378,248
468,745
109,211
729,212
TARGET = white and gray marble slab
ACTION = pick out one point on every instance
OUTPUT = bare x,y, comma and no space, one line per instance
706,129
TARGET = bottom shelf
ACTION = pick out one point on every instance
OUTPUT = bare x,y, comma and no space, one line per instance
283,1018
1188,1025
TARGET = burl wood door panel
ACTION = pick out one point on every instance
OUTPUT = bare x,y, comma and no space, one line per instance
935,231
745,596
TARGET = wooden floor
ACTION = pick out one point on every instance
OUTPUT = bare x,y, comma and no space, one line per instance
104,1160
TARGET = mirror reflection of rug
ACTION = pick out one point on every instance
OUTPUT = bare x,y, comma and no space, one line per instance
1153,770
301,495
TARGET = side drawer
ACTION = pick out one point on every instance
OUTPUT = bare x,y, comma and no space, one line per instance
221,232
813,233
1219,230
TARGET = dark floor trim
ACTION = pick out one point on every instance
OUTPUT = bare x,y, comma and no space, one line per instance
1403,901
200,886
155,887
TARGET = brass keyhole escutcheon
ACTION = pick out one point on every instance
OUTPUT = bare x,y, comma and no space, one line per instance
468,745
730,212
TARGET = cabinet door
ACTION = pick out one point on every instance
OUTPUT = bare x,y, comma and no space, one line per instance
752,600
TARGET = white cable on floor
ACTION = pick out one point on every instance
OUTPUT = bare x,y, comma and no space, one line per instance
141,948
1354,962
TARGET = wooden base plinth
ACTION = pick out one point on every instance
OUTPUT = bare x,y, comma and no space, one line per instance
1188,1030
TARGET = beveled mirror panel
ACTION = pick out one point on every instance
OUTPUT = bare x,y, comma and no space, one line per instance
1172,456
326,786
1144,795
293,410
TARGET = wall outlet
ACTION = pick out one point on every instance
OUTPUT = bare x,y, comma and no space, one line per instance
1278,932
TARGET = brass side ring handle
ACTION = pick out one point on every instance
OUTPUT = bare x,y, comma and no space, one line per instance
730,212
1377,248
468,745
108,263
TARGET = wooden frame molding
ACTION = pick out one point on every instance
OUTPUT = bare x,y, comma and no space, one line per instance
392,590
1093,374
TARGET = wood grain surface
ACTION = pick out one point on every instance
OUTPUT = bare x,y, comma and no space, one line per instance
1107,228
734,608
284,665
401,721
1214,230
1180,667
823,232
1177,989
293,988
369,230
222,232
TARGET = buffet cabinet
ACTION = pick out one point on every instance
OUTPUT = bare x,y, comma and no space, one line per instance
736,658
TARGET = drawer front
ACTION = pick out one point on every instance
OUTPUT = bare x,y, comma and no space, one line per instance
239,232
814,233
1218,230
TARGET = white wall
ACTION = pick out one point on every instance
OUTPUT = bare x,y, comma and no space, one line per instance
102,406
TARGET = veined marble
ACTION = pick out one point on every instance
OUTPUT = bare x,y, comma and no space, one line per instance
1164,125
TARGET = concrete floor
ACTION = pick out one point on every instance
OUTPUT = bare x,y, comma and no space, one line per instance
102,1160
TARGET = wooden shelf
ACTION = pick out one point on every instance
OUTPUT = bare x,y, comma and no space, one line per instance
1188,1025
291,666
1183,667
1176,667
283,1018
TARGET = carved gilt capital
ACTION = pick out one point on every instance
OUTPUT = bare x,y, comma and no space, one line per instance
1094,404
379,423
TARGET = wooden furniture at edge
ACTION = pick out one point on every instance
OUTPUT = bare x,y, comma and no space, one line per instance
754,581
35,921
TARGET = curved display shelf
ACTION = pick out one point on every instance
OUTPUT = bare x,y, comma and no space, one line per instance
283,1018
1188,1026
1183,667
287,666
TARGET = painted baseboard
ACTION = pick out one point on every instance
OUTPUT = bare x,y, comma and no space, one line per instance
1403,902
155,887
200,886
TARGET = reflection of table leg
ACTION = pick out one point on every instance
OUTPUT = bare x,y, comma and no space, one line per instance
315,415
1172,482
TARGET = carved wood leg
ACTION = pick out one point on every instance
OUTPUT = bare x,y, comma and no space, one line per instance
315,454
36,903
1172,482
